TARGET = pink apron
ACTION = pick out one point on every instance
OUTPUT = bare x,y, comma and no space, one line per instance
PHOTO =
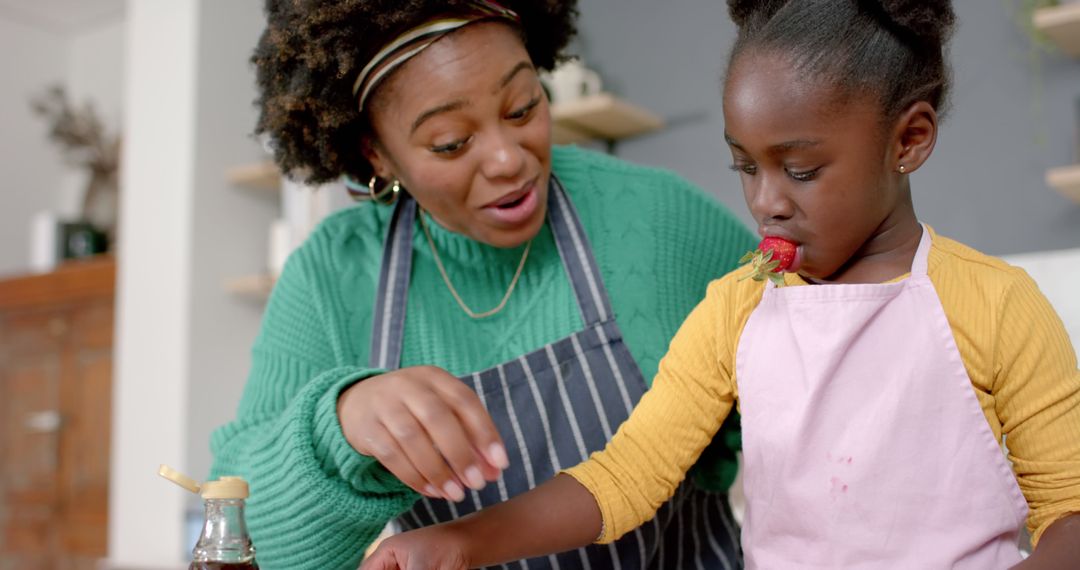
864,443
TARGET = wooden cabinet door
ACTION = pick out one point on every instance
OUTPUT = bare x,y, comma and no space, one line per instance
85,407
30,452
55,394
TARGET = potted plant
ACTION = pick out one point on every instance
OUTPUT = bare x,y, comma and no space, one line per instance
87,145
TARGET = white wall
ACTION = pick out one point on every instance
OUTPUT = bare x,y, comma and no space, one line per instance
30,59
1056,272
95,73
96,68
151,364
183,343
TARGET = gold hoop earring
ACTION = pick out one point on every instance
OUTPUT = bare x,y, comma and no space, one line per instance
388,195
391,195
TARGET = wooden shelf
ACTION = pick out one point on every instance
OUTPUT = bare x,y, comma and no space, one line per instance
74,280
256,287
259,176
1065,179
603,117
1062,25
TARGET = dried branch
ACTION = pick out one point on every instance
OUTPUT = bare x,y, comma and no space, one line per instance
78,132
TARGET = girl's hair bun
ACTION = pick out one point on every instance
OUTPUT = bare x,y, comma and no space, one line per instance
748,13
930,22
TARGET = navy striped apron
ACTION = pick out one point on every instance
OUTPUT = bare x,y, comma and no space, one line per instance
554,407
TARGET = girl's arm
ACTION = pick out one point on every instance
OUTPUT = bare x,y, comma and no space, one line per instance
1037,396
1059,547
617,489
555,516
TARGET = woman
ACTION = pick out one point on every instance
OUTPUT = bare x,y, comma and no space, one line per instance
487,318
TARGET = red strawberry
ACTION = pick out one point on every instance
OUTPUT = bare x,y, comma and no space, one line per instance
771,258
781,249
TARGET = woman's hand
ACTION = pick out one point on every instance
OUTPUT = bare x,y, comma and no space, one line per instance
436,547
426,427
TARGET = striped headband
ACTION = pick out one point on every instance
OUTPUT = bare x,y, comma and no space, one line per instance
408,45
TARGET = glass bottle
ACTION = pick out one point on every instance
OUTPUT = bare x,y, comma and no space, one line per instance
224,543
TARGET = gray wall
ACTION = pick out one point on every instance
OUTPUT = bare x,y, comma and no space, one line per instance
983,186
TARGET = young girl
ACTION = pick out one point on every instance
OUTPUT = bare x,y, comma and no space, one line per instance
876,386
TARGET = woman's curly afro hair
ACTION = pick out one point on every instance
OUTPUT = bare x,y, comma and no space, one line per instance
309,55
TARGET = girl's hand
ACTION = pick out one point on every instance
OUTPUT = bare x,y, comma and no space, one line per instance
558,515
426,427
431,548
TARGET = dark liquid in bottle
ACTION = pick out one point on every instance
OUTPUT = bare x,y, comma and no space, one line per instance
223,566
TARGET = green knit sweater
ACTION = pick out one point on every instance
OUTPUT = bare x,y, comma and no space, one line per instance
315,502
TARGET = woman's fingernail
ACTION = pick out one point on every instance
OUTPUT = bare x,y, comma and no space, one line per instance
431,491
454,492
474,477
497,454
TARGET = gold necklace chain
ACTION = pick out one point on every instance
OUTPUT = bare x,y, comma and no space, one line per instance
450,286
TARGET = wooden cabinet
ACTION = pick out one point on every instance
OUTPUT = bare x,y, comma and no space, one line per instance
56,337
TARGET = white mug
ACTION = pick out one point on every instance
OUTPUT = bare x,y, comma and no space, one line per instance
571,81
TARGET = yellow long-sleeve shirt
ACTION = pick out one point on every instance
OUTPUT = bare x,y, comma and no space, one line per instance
1016,351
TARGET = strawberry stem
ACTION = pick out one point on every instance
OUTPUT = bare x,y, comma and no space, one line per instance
762,267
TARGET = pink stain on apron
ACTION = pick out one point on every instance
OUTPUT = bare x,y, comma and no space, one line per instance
864,443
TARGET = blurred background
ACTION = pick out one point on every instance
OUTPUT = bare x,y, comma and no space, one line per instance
141,225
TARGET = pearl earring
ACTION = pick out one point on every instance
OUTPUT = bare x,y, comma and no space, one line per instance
901,168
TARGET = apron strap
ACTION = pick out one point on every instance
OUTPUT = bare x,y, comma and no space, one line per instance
577,257
388,323
922,254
